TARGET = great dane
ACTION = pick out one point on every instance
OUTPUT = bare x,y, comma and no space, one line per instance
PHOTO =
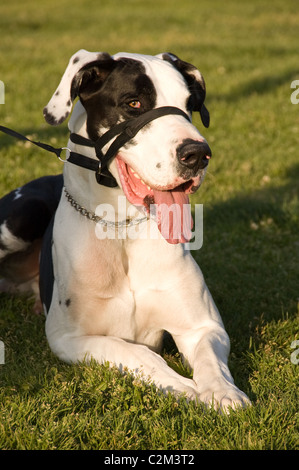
112,278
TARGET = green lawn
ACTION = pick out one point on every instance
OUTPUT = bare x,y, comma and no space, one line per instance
248,54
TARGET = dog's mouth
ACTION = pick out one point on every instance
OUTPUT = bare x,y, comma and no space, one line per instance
169,205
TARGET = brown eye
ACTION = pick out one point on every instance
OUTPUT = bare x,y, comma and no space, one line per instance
135,104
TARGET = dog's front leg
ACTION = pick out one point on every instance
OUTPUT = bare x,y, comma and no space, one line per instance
204,344
208,359
130,357
206,350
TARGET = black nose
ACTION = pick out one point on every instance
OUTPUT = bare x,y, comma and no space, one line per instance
194,154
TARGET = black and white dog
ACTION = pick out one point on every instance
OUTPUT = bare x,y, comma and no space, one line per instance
112,281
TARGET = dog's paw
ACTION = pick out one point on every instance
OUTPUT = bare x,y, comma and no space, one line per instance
225,399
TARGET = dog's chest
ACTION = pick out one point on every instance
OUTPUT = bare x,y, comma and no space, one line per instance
110,284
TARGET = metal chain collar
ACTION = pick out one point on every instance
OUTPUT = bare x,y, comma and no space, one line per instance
97,219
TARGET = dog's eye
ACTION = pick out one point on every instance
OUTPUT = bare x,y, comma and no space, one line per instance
135,104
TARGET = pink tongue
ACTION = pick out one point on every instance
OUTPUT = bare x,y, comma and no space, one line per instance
173,215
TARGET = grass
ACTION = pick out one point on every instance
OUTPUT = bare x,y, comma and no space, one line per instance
247,52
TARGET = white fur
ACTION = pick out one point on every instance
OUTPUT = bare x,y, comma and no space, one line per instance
122,294
10,242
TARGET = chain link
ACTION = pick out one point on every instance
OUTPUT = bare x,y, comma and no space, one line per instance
97,219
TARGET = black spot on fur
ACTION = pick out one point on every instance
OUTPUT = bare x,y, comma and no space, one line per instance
51,119
68,302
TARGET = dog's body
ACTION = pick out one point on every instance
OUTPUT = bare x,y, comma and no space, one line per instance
108,295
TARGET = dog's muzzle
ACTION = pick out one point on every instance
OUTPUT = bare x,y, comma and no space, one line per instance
124,132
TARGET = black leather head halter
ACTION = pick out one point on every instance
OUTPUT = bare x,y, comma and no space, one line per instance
125,131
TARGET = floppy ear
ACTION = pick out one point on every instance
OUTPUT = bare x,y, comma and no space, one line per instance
195,83
79,71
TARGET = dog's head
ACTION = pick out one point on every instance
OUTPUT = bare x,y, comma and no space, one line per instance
167,159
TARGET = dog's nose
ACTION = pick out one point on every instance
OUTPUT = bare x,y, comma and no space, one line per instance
194,154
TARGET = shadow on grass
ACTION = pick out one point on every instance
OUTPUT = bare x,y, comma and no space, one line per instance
250,261
250,255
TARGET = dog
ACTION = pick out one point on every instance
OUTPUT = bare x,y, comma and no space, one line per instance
112,281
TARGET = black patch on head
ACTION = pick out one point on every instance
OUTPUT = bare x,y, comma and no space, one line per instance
91,76
106,94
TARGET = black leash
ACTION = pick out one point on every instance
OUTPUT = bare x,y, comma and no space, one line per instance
75,158
47,147
124,132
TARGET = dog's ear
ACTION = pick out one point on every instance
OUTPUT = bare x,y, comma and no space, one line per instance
195,82
84,73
